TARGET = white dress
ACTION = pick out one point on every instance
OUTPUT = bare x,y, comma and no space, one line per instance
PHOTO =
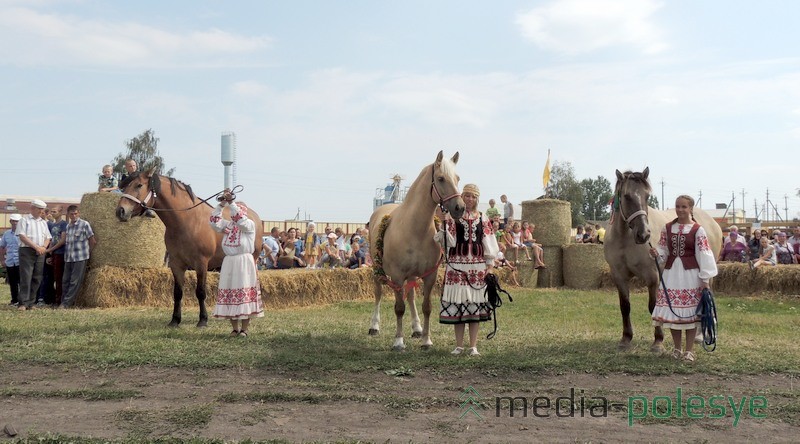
239,294
464,299
684,286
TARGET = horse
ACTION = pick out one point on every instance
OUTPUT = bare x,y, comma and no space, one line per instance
191,242
403,249
627,243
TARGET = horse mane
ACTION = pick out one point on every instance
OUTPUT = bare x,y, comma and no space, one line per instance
635,176
174,184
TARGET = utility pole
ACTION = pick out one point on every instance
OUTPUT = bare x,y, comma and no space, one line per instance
662,194
786,206
766,206
733,205
700,199
744,218
755,209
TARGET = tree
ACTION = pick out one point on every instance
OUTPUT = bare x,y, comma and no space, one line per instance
144,150
652,201
596,196
563,186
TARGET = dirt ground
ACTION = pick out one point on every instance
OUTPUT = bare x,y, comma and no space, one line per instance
375,406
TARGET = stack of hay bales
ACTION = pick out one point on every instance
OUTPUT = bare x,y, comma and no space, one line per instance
124,251
584,265
553,221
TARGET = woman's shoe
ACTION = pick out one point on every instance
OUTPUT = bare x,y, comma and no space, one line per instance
235,333
752,267
243,334
677,354
473,351
688,356
457,351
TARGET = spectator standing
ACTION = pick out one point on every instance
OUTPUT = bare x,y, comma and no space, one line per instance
271,247
600,233
9,256
492,212
107,181
364,244
58,229
34,238
341,244
508,211
78,246
239,294
311,243
471,254
689,264
783,251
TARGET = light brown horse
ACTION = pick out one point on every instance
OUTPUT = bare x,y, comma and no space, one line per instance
191,243
408,249
627,243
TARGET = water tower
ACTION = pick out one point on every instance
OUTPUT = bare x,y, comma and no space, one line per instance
229,158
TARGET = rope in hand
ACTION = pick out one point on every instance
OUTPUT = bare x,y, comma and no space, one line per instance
706,310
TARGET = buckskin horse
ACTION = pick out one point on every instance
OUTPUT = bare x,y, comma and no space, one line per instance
626,245
191,243
403,249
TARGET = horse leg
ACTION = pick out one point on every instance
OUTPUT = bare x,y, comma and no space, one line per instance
427,288
658,341
399,311
200,292
177,296
625,310
375,325
416,327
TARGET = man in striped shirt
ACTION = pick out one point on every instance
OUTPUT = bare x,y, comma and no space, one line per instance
34,238
79,244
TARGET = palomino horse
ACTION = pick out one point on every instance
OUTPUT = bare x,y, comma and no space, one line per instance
626,245
404,250
191,243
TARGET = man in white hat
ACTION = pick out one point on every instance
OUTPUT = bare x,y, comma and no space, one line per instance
34,238
9,256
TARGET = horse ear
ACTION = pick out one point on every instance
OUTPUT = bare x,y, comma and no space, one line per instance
440,157
619,176
455,157
646,172
150,172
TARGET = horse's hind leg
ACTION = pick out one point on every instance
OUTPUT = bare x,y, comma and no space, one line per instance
177,297
625,309
416,326
375,324
200,292
426,310
658,341
399,311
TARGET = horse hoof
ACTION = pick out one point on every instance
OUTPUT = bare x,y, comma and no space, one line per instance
416,334
624,346
657,349
427,346
373,332
399,348
202,324
174,324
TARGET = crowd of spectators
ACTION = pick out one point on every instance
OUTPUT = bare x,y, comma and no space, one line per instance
312,250
762,247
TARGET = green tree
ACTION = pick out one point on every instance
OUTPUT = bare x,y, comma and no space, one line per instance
652,201
564,186
144,150
596,196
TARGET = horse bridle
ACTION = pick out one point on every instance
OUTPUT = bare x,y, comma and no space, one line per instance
439,195
153,195
634,215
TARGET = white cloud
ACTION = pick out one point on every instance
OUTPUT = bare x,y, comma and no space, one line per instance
579,26
30,37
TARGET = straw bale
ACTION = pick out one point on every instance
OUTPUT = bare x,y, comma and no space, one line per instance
553,275
553,220
583,265
109,287
138,243
738,279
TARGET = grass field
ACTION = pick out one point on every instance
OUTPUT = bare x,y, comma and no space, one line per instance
543,332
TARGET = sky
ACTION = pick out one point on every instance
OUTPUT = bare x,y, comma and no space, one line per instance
328,100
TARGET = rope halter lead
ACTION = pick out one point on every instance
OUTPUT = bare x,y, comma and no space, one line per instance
152,195
442,200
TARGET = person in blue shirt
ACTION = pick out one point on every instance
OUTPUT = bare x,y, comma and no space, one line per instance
9,256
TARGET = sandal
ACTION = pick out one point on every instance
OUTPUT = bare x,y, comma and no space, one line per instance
677,354
457,351
473,351
243,334
235,333
688,356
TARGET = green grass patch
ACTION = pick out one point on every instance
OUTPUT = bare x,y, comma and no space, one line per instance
84,394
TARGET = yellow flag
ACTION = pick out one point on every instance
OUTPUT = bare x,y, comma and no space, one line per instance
546,174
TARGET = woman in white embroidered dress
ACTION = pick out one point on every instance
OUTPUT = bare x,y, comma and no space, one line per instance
239,294
471,250
688,263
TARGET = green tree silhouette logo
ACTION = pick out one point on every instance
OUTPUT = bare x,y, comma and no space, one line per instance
470,399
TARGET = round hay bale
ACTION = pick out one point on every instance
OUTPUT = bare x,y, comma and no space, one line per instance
553,220
583,266
138,243
553,275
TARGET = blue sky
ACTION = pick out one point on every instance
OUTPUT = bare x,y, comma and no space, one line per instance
329,99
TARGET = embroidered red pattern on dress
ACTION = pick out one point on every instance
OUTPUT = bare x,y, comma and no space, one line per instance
234,238
237,296
702,240
687,297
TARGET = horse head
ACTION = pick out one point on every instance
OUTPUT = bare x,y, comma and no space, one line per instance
138,193
630,200
444,185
